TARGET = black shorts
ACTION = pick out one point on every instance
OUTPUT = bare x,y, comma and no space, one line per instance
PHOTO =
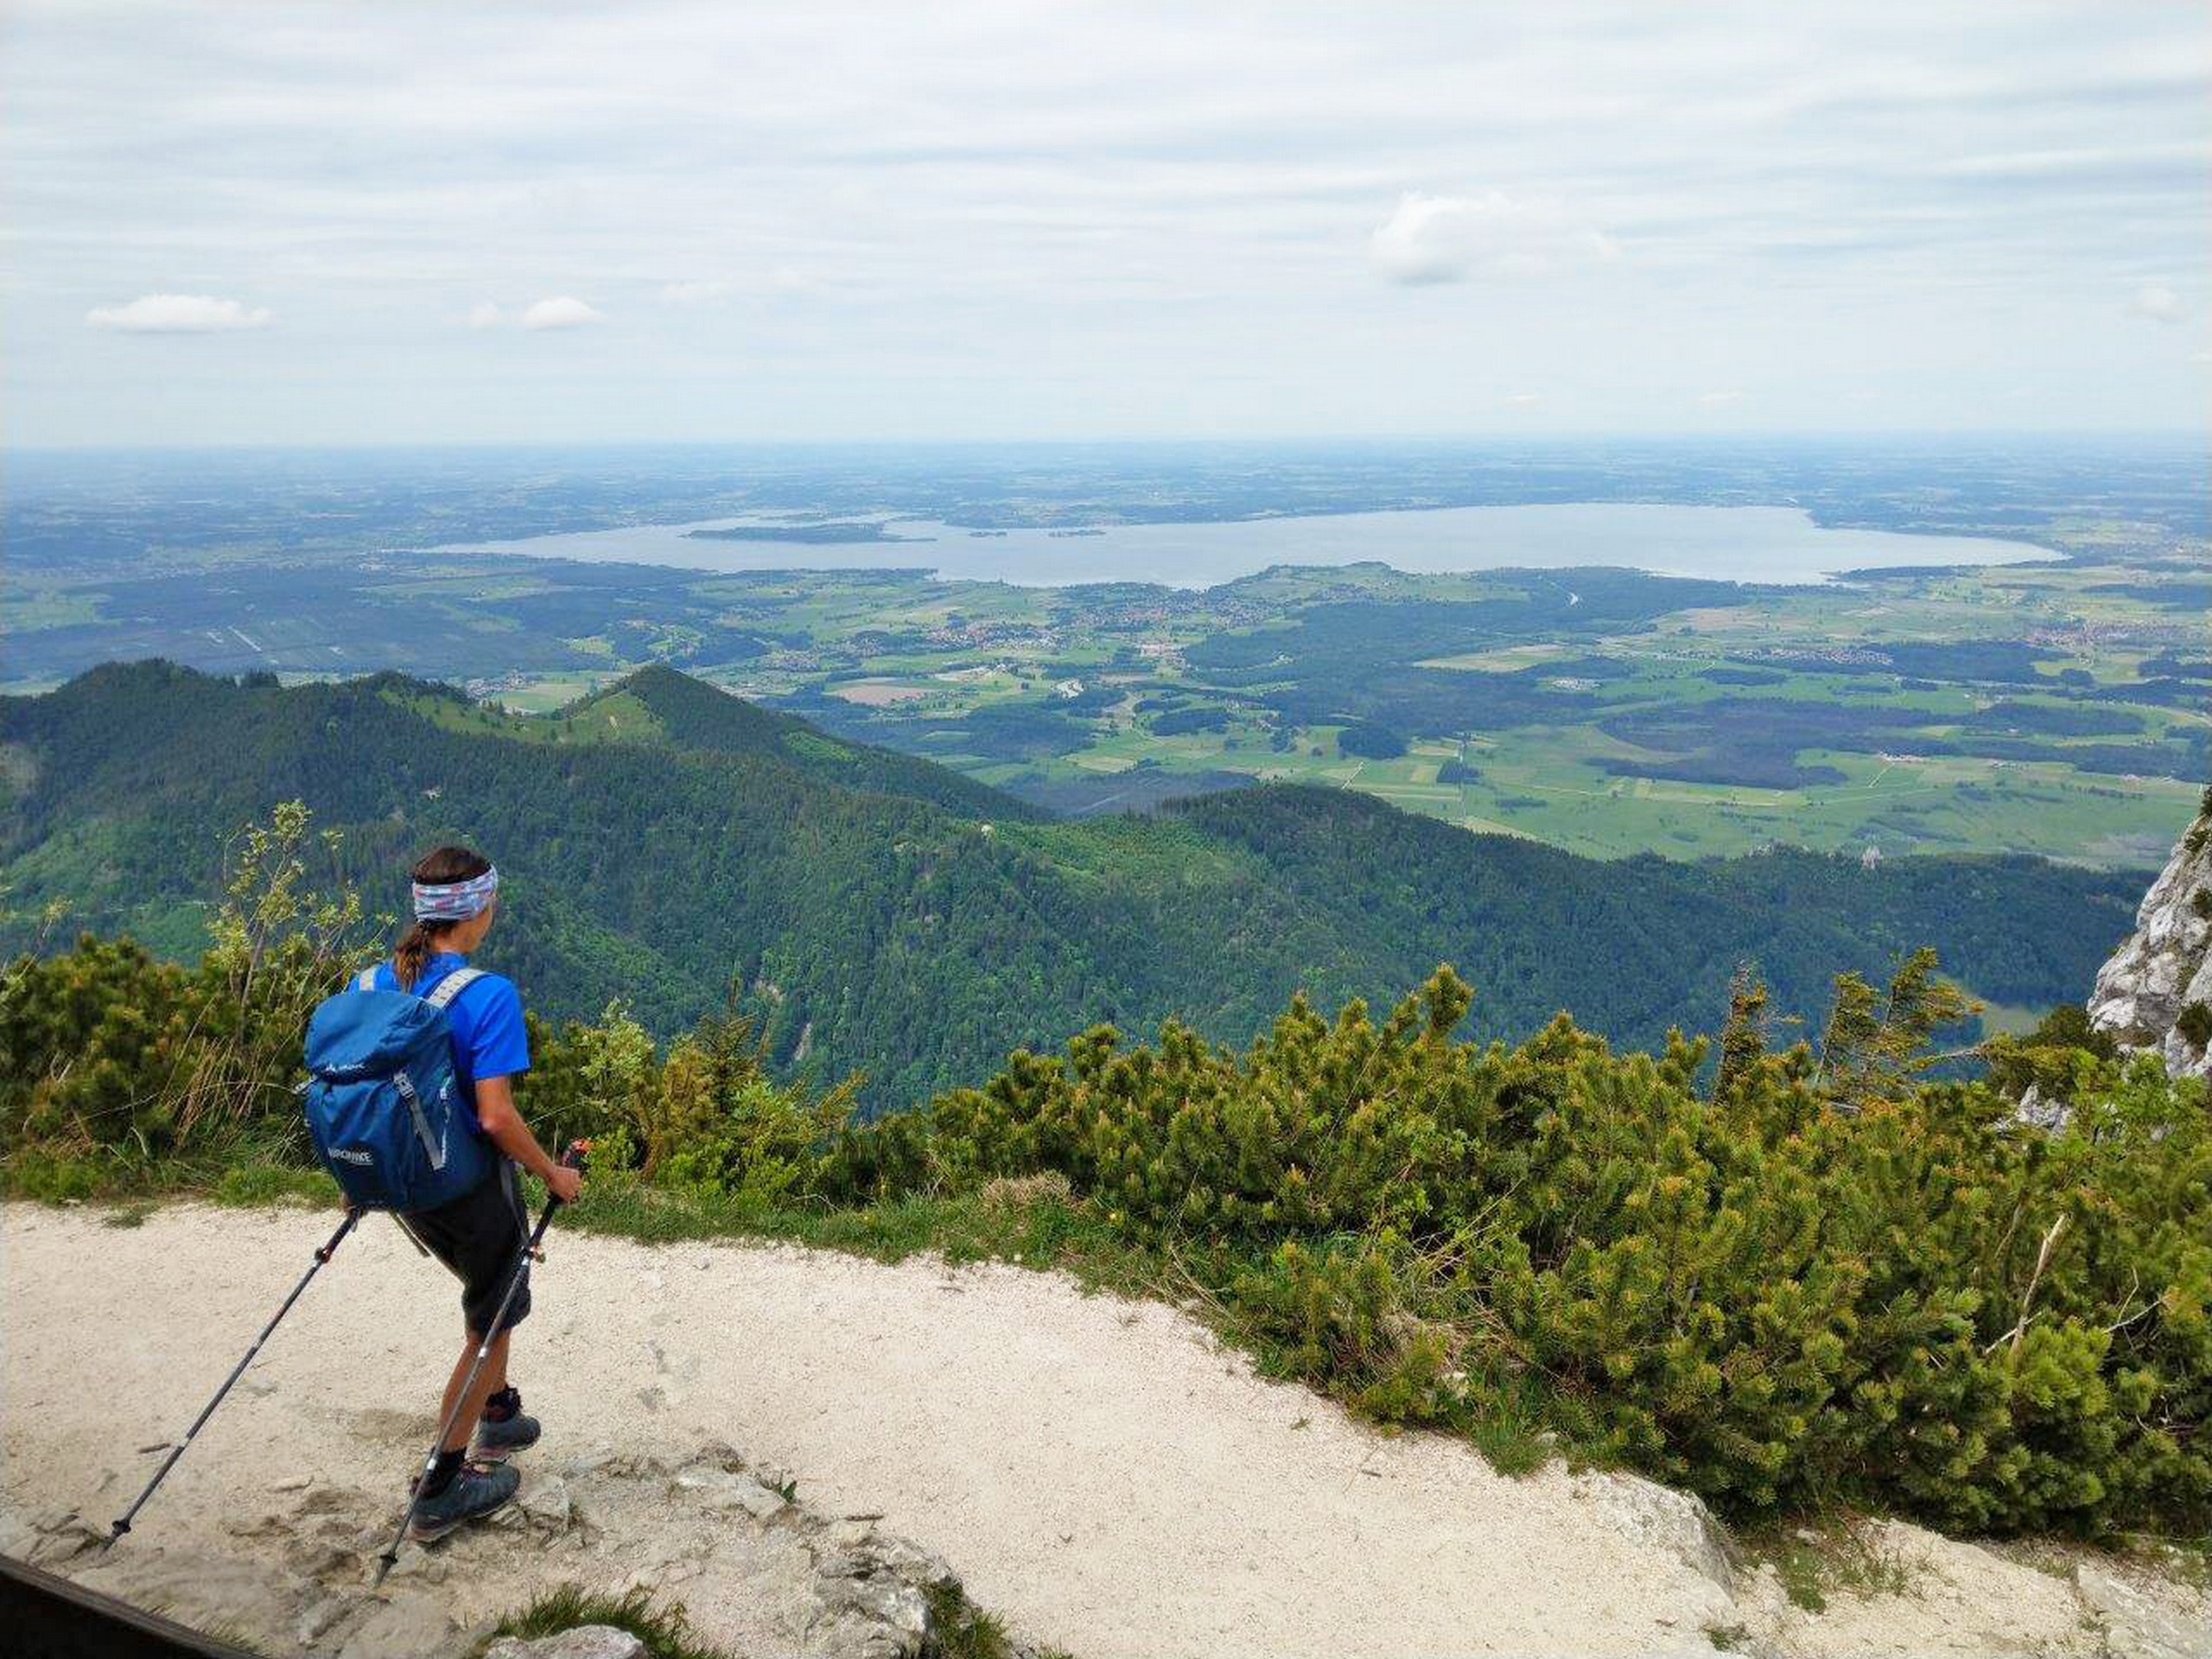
480,1236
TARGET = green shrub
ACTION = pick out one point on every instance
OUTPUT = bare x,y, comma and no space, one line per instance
105,1046
1823,1277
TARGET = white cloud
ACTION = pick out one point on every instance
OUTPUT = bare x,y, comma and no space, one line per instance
1028,233
486,316
2155,302
564,311
1449,239
1525,399
177,313
1717,399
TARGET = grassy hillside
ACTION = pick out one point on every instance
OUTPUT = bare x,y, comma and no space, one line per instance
662,838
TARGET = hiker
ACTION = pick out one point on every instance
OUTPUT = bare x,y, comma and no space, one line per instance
481,1235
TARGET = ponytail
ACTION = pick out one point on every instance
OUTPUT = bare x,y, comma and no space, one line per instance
413,951
441,866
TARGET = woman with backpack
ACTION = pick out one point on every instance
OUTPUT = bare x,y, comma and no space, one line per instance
478,1235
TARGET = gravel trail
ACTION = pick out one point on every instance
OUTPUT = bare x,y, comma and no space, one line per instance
1097,1470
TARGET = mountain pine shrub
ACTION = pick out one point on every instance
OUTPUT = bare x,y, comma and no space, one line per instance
1821,1276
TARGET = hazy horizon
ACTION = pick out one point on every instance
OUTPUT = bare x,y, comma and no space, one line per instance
2054,436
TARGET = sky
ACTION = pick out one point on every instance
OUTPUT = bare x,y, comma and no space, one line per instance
391,222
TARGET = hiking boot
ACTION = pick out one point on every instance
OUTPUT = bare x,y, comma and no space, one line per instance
478,1489
503,1430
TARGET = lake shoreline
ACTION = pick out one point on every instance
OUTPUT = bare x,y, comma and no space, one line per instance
1757,545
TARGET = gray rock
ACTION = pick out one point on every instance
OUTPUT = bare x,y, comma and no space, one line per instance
585,1642
544,1504
911,1564
1678,1522
2165,964
2039,1112
899,1608
2135,1626
721,1488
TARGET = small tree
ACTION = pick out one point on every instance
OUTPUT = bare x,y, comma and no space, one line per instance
1874,1044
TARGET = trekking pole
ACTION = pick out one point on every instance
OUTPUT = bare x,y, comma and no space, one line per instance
572,1159
123,1524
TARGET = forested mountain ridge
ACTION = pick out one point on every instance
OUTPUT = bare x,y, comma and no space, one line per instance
690,715
668,839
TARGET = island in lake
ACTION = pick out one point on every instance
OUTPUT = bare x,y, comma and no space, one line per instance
834,533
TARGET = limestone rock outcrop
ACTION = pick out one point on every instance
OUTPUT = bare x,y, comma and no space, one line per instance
2156,992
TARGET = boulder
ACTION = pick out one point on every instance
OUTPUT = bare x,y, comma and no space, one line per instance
2137,1625
1677,1523
2155,993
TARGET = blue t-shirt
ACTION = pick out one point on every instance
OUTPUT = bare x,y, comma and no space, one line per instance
489,1039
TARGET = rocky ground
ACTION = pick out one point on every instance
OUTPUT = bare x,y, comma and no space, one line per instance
793,1444
766,1574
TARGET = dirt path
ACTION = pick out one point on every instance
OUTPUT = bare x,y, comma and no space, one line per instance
1095,1469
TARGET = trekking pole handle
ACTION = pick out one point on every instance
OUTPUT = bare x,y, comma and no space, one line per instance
576,1157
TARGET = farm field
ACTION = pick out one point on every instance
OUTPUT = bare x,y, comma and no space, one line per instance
2029,710
2060,706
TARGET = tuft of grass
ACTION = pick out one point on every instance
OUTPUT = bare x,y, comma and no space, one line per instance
665,1631
1041,1229
53,1177
1838,1556
128,1215
963,1629
1727,1638
241,1170
261,1184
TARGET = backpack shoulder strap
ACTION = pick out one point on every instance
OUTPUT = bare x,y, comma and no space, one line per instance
452,985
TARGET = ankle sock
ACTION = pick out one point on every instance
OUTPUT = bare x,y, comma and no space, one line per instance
442,1473
507,1403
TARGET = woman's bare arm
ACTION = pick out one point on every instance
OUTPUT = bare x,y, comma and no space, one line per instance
495,1111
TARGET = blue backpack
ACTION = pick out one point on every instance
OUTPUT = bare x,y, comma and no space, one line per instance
384,1105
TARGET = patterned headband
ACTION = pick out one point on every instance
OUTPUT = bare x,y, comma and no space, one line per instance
454,901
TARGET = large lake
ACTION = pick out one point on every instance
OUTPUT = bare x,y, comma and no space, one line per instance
1770,544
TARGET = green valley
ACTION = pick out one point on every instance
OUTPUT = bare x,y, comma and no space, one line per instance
663,842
